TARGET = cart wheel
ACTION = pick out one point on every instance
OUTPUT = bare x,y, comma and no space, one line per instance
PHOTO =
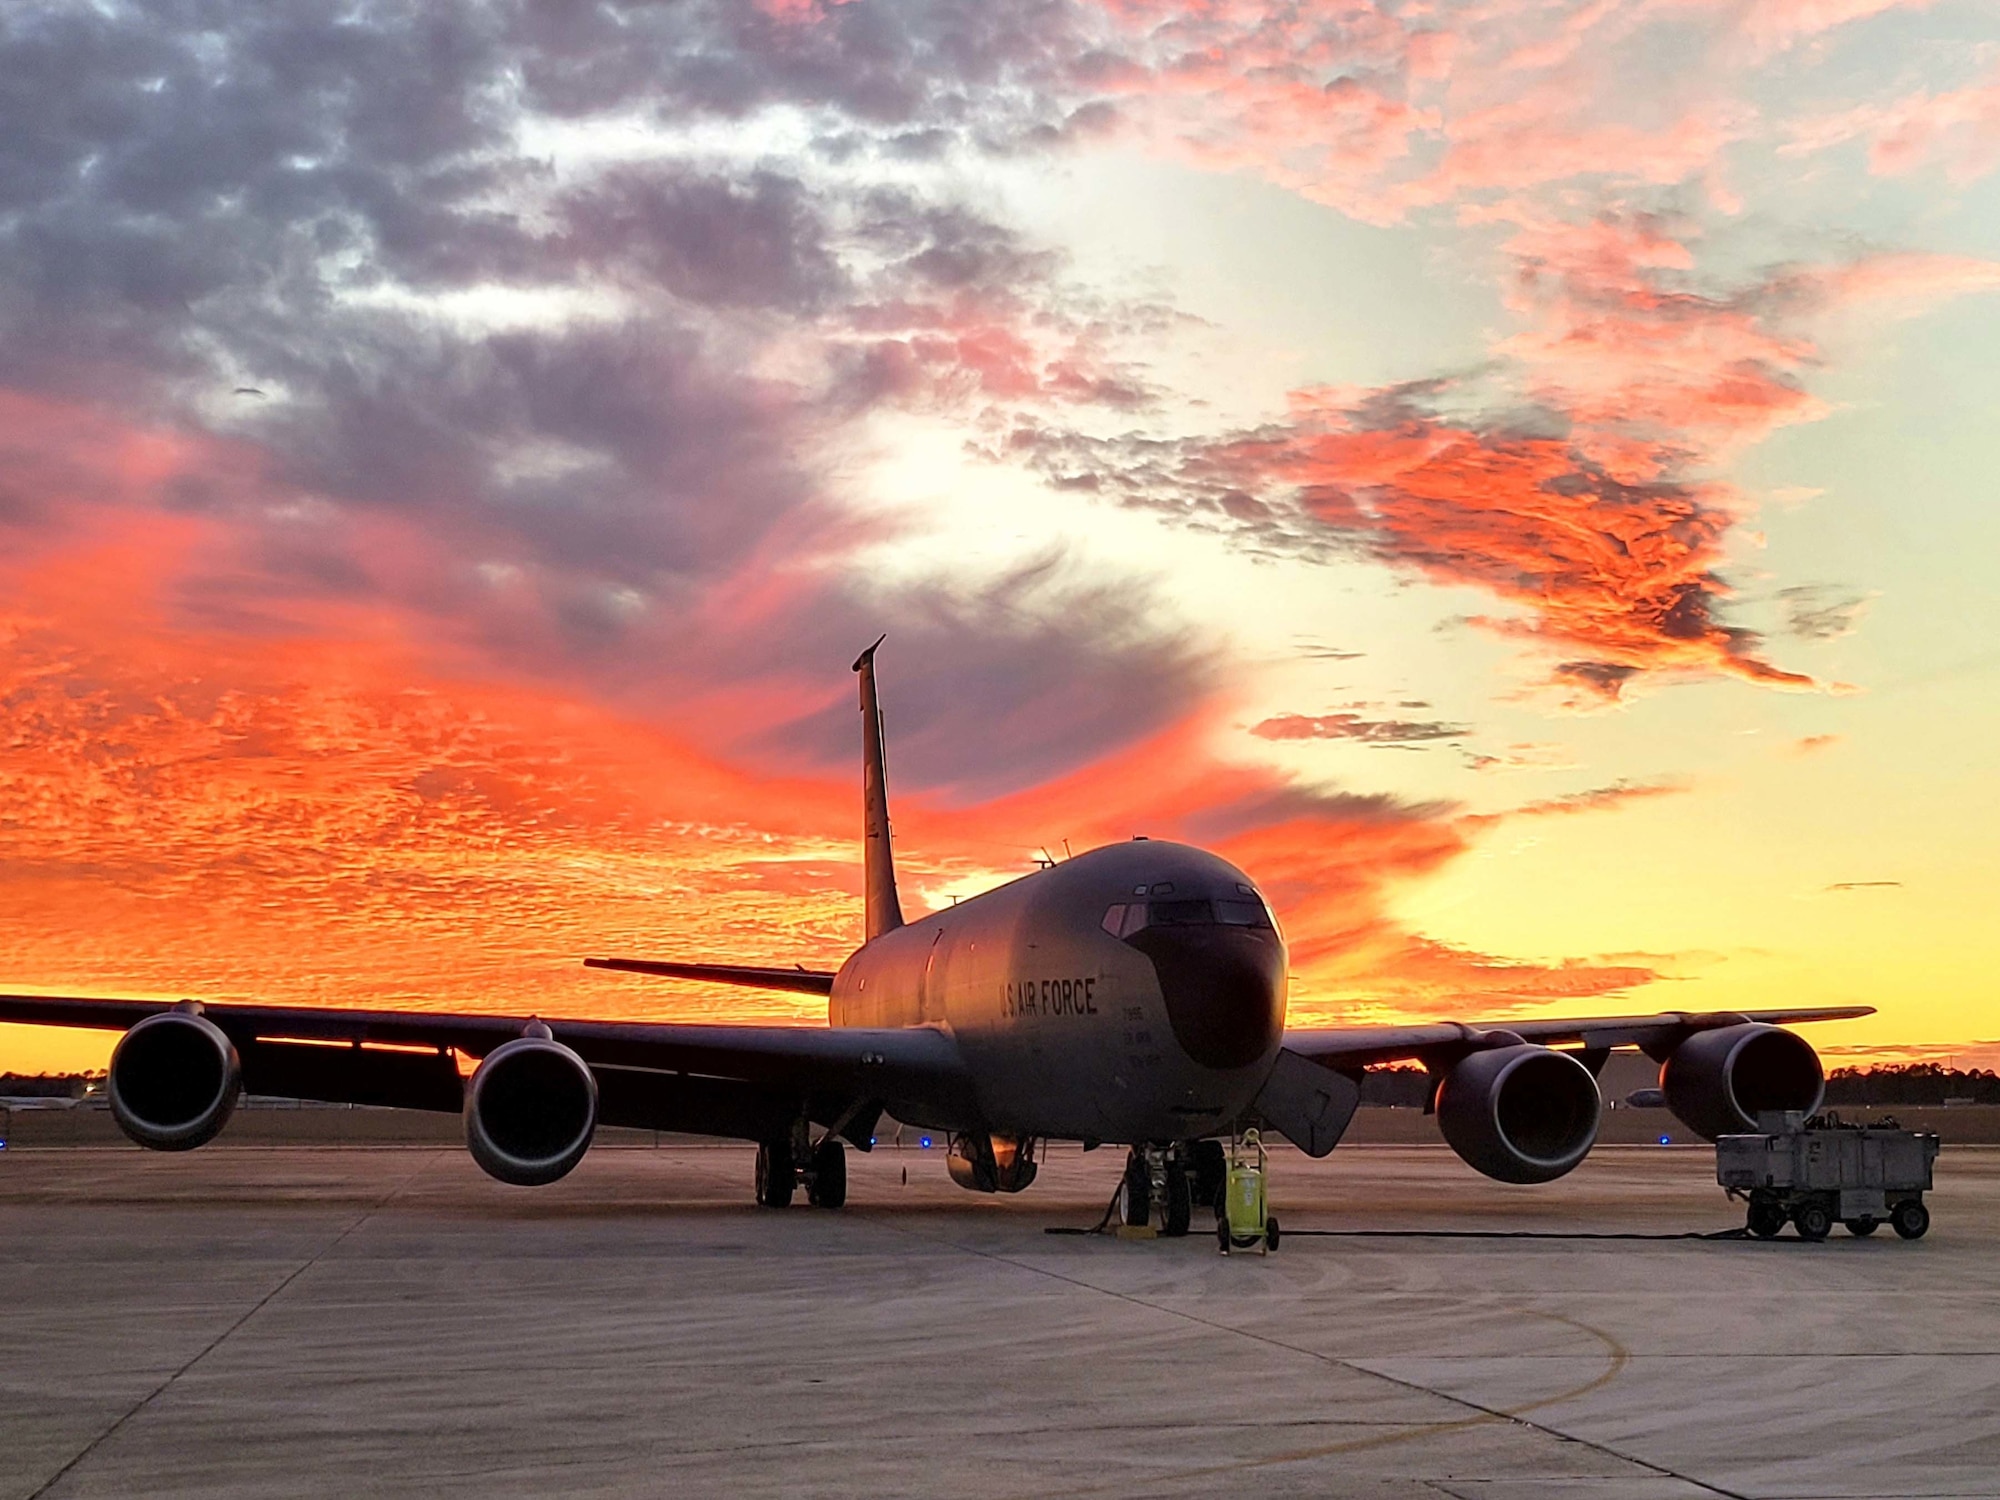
1270,1231
1765,1220
1812,1221
1863,1227
1910,1219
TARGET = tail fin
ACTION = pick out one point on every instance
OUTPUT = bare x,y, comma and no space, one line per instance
884,911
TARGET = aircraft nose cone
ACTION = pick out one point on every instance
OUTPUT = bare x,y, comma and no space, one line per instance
1224,988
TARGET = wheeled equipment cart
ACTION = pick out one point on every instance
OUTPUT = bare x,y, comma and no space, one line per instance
1812,1173
1243,1220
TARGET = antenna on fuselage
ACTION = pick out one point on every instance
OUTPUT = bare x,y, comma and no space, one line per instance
882,911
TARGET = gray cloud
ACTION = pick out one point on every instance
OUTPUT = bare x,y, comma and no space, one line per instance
1403,734
1821,611
198,198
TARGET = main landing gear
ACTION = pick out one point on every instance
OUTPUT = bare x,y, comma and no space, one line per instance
1171,1181
790,1161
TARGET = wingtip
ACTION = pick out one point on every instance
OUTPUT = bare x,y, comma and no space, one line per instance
863,659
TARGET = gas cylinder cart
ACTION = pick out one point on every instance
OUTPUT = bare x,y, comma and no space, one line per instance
1243,1220
1812,1172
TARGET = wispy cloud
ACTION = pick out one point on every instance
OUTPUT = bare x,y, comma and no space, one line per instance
1347,725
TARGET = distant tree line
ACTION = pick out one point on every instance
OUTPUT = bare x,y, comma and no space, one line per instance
1910,1083
1408,1087
1846,1088
48,1085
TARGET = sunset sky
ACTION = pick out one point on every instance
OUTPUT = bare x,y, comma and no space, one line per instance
1517,477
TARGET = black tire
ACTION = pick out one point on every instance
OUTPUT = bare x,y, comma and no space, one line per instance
1210,1166
1222,1233
776,1176
1812,1221
1863,1227
1137,1198
1765,1220
1910,1219
828,1187
1180,1201
1270,1231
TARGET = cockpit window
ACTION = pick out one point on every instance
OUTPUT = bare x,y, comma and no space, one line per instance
1242,914
1126,919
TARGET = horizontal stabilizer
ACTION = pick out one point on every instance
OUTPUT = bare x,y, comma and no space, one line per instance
805,981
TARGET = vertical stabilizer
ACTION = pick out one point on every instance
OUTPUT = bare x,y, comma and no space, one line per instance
884,911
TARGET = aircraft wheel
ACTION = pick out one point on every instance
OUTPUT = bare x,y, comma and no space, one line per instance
828,1187
1211,1170
1180,1201
1765,1220
1812,1221
1137,1198
1863,1227
1910,1219
776,1175
1270,1231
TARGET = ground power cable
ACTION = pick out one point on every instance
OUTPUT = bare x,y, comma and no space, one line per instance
223,1337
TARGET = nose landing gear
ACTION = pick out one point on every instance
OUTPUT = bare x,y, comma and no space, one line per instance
1160,1180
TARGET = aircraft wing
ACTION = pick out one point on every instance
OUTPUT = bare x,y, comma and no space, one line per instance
1364,1046
740,1081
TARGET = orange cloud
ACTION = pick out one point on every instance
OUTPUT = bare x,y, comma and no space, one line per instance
319,815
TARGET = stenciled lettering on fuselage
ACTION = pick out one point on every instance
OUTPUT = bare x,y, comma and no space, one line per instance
1052,997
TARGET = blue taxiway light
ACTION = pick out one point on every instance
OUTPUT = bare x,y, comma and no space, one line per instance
1666,1140
925,1143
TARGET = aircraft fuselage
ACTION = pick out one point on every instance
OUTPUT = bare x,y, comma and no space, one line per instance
1133,993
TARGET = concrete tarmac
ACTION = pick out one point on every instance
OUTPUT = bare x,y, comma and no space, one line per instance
387,1321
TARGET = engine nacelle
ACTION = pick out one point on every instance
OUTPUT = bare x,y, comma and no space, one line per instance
1519,1113
991,1163
174,1081
1717,1082
530,1111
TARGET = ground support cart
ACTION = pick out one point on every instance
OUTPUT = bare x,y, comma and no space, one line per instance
1811,1173
1243,1220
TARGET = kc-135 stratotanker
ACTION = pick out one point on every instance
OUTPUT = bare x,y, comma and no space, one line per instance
1132,995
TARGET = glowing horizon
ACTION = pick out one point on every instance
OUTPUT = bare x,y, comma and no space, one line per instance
1511,477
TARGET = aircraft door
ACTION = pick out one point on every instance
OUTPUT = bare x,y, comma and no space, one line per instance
930,994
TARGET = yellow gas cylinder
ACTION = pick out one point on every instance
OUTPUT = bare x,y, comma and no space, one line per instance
1245,1222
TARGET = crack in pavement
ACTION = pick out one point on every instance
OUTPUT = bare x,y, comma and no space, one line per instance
49,1484
1485,1414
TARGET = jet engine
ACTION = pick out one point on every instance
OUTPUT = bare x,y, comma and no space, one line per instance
530,1110
991,1163
1519,1113
175,1078
1717,1082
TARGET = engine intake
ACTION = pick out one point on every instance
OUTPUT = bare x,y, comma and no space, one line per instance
1519,1113
1717,1082
991,1163
530,1111
174,1081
